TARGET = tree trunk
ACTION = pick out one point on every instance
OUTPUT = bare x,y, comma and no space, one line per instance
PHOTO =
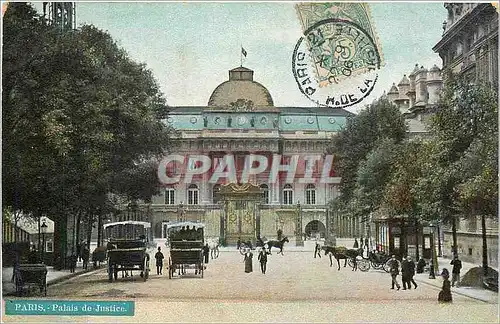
440,253
485,246
417,250
60,241
454,233
89,231
78,239
99,229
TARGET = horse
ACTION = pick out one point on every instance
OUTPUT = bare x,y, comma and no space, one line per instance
340,253
213,244
277,244
99,255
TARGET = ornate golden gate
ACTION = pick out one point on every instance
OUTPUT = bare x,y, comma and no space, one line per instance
240,212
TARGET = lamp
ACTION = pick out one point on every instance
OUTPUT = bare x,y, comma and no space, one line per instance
298,237
43,229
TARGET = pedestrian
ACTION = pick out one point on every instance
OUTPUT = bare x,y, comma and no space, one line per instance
356,245
248,260
159,261
394,270
405,267
444,295
73,258
457,266
421,265
411,271
366,244
238,243
85,257
206,252
317,250
263,260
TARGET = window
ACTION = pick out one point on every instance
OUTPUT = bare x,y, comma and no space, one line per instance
264,189
287,195
310,194
49,247
169,196
215,196
193,194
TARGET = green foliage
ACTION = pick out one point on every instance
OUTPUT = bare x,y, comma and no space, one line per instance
363,132
79,117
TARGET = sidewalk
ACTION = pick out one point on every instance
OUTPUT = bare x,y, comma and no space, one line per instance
482,294
53,276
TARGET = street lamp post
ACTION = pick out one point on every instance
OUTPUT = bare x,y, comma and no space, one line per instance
43,229
298,235
432,274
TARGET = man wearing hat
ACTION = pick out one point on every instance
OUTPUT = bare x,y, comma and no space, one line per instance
412,272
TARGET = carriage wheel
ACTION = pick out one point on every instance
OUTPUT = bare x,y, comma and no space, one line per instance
110,272
169,268
364,265
350,262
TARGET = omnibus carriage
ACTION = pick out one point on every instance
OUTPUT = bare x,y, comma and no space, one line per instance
127,246
186,241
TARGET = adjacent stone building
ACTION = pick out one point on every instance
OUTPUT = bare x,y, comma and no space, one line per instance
469,46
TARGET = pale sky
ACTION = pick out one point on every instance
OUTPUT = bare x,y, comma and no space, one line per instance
191,46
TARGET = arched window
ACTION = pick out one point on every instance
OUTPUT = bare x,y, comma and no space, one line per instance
215,191
264,189
310,194
169,196
287,195
193,194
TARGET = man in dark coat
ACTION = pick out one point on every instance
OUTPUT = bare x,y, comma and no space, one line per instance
356,244
159,261
263,260
206,252
405,274
317,250
457,265
394,270
411,272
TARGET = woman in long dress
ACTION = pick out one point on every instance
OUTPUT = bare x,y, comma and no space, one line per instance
248,261
444,295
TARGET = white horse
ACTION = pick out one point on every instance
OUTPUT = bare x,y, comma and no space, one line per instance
213,244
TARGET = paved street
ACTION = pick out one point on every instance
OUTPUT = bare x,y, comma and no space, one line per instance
296,288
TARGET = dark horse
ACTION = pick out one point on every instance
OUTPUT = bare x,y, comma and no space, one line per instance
276,244
342,253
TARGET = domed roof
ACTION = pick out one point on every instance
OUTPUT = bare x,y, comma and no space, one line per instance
240,86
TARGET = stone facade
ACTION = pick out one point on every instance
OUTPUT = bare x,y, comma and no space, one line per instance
241,119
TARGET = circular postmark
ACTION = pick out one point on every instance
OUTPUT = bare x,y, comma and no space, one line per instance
335,63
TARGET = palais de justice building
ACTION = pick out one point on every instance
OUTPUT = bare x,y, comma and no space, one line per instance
241,119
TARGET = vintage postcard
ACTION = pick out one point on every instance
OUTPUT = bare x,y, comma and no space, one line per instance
244,162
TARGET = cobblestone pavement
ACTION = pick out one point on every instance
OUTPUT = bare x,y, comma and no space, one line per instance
295,288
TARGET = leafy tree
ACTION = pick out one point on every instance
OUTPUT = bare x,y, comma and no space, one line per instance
77,113
381,120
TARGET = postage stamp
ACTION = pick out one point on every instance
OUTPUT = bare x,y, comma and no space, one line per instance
339,47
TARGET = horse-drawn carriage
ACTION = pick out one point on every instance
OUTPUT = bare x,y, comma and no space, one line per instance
260,243
353,257
128,242
30,274
186,241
